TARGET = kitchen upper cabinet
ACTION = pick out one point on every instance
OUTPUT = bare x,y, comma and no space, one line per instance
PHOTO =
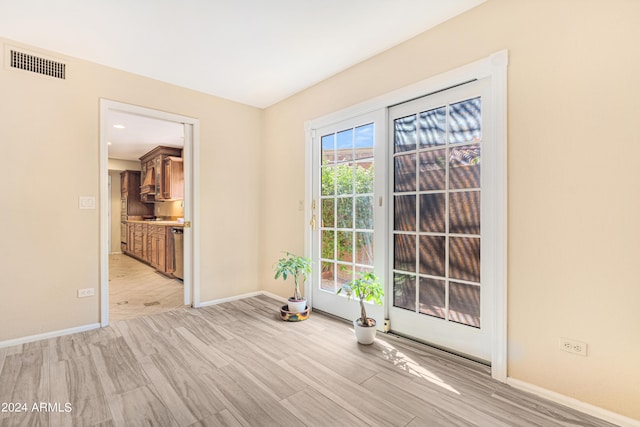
173,177
162,181
130,196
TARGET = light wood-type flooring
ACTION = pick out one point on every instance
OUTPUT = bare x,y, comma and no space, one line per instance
137,289
238,364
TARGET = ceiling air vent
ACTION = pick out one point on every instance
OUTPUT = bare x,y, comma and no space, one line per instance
36,64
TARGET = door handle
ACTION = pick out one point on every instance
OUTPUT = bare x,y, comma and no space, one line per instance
313,222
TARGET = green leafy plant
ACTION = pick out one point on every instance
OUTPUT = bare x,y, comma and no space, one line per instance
296,267
365,288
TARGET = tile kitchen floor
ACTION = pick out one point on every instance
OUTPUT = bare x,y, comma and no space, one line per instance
136,289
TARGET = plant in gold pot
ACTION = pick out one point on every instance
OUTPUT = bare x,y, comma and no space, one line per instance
366,288
299,268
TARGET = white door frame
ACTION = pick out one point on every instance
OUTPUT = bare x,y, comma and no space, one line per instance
495,67
191,207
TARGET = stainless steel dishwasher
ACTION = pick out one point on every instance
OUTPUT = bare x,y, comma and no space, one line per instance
178,251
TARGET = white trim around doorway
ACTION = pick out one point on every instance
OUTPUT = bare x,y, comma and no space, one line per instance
495,67
191,240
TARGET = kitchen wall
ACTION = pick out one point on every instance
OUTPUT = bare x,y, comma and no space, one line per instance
169,209
573,184
49,130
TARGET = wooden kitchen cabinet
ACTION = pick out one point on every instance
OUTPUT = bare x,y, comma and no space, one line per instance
138,240
151,243
130,195
155,186
173,177
158,248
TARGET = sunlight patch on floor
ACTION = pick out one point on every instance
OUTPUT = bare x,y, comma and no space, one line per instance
409,365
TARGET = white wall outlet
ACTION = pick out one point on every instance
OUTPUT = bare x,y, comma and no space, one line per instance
87,202
573,346
88,292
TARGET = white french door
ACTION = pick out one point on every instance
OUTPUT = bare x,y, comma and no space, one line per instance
439,241
347,210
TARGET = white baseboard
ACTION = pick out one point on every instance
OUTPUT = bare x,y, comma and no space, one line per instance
47,335
576,404
237,297
227,299
274,296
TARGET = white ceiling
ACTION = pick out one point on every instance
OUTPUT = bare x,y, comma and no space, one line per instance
256,52
140,135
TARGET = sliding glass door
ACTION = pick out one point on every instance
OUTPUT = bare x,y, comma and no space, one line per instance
437,247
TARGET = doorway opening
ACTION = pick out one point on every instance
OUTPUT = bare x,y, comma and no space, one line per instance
146,247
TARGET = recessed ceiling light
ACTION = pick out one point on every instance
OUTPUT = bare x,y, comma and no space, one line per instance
108,142
118,126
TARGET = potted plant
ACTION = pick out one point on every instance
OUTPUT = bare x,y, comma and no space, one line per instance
297,267
366,288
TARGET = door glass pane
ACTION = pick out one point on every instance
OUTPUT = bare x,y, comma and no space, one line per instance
344,178
344,146
464,212
464,303
404,252
345,246
364,178
364,248
344,274
328,213
432,253
405,134
345,212
328,244
465,121
464,258
464,167
433,166
432,297
405,173
328,180
432,208
432,127
364,142
328,149
364,213
328,281
404,291
404,213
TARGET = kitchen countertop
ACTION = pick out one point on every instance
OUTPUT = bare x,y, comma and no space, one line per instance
165,223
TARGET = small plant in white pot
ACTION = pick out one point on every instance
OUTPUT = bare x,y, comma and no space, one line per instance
299,268
366,288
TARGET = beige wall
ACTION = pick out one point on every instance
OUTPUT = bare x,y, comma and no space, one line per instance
573,105
573,184
49,131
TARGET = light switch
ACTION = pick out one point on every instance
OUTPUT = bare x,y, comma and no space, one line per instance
87,202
